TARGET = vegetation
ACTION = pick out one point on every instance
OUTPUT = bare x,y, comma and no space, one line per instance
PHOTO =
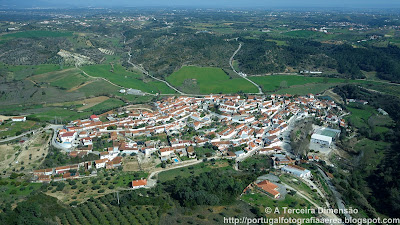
201,190
371,182
206,80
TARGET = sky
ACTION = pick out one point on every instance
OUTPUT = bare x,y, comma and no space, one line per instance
203,3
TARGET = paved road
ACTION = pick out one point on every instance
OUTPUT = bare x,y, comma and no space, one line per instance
336,194
312,185
152,178
243,76
19,136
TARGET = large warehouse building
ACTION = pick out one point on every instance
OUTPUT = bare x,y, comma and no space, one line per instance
325,136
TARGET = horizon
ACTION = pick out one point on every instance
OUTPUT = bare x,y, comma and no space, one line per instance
251,4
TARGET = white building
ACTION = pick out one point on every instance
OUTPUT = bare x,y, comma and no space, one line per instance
321,139
297,171
19,119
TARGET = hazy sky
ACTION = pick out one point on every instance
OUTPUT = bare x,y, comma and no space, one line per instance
204,3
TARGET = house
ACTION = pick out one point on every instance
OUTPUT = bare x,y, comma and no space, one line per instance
62,169
269,188
94,118
44,178
281,160
230,155
139,183
297,171
68,136
101,163
239,153
19,119
86,141
166,151
46,172
190,152
114,163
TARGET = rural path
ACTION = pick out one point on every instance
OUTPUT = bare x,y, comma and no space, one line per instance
241,74
148,74
336,194
328,215
21,135
152,179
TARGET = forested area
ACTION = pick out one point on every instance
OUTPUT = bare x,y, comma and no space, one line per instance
165,51
381,186
217,187
259,56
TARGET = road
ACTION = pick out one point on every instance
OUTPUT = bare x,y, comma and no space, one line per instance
243,76
19,136
328,215
336,194
312,185
152,179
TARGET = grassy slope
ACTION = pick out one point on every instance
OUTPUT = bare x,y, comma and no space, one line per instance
210,80
275,82
127,79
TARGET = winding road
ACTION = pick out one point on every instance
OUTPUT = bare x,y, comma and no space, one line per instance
260,92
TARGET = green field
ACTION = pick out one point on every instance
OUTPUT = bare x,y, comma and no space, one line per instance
262,201
360,114
19,72
373,153
37,34
193,170
127,79
106,105
99,87
293,84
308,34
208,80
65,114
65,79
10,128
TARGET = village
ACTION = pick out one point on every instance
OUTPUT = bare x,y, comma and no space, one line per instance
233,126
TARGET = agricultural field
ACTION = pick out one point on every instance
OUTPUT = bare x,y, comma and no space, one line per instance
207,215
16,189
261,201
37,34
10,128
73,110
65,79
206,80
360,114
373,153
193,170
101,211
301,186
118,75
105,182
284,83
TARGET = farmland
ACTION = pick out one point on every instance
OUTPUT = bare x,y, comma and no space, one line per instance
285,82
14,128
65,79
206,80
120,76
37,34
193,170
